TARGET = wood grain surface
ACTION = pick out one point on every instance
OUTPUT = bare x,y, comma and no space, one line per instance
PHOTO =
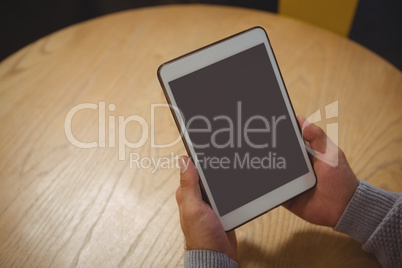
64,206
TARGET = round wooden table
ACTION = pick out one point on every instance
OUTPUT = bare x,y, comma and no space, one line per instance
94,84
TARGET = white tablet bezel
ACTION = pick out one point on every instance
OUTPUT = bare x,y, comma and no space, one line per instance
204,57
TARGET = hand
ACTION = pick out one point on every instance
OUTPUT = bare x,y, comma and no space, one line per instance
201,226
324,204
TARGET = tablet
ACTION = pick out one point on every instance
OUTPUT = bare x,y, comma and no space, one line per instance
237,123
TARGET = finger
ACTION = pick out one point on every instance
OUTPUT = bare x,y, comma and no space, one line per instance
233,244
314,135
300,120
178,196
288,204
232,237
189,182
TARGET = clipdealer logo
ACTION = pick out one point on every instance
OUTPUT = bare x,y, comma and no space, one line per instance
171,161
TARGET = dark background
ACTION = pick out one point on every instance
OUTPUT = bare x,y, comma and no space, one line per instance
377,24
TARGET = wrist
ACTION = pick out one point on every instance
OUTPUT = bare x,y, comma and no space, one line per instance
365,211
208,258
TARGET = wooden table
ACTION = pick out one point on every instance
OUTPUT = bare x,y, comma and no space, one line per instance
64,206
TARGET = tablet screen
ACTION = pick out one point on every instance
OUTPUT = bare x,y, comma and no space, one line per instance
240,128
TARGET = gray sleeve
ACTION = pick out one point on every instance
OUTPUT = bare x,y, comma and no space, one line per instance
207,258
374,218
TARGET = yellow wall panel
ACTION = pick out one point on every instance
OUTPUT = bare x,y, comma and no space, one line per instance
334,15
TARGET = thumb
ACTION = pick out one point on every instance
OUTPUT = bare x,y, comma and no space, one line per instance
314,135
189,181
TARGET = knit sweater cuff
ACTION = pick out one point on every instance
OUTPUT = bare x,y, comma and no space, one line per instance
366,210
207,258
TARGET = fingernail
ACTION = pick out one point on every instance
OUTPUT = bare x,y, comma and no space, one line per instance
182,164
